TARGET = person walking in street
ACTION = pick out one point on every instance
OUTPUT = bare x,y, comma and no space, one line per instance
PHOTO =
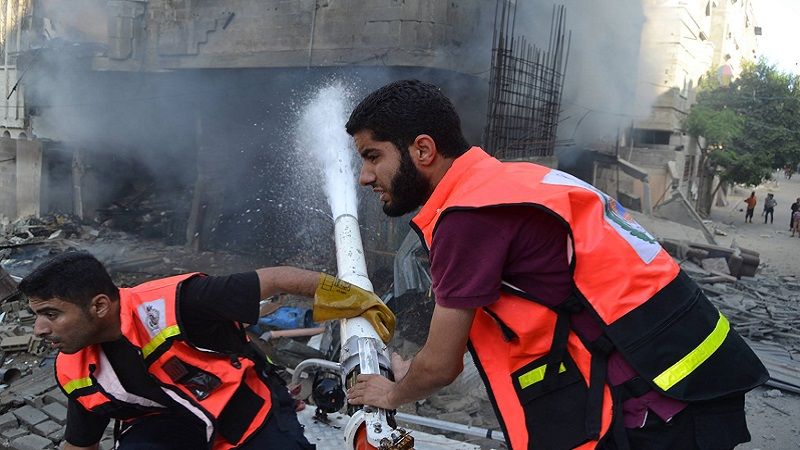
169,358
586,332
794,208
769,207
796,225
751,207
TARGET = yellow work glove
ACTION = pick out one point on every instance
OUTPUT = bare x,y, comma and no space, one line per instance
338,299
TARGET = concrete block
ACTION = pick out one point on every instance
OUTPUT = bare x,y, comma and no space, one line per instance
37,388
8,421
35,401
13,433
15,343
29,415
57,436
56,411
55,396
25,317
31,442
46,428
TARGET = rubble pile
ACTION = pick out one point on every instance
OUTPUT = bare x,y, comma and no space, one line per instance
130,258
147,214
764,309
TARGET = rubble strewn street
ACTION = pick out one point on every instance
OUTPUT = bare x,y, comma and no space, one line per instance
765,309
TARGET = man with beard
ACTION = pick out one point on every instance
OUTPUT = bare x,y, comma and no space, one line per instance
586,332
169,358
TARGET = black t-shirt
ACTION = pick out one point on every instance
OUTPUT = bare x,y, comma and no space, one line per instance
208,309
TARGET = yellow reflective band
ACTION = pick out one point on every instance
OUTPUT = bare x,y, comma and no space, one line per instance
536,375
159,339
692,361
77,384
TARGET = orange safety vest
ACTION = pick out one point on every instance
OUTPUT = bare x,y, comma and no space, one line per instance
224,391
542,378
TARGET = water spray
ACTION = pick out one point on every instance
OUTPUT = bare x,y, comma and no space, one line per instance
362,350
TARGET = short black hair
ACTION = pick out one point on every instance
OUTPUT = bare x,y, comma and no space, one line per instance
76,277
402,110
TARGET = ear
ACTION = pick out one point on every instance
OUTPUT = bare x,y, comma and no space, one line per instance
101,305
423,150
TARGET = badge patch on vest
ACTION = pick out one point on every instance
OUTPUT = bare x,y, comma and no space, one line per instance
153,316
615,215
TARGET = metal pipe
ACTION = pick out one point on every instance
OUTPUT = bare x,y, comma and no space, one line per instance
296,332
451,426
313,362
362,350
7,376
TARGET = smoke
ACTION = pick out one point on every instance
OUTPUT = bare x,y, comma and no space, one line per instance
600,91
75,20
232,132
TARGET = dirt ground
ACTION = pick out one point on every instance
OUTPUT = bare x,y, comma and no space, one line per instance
773,416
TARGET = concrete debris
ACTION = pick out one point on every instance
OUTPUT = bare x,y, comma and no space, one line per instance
740,262
766,311
764,308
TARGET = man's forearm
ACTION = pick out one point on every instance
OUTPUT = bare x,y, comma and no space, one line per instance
425,376
291,280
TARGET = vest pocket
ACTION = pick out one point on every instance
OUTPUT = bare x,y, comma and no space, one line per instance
197,381
555,409
239,413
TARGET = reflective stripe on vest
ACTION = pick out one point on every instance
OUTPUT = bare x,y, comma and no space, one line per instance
696,357
536,375
159,339
77,384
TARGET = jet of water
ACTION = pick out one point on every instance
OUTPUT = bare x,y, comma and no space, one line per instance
321,136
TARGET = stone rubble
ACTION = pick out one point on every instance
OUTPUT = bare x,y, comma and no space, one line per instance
764,309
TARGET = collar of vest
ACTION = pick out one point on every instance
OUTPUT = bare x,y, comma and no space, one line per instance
149,312
453,177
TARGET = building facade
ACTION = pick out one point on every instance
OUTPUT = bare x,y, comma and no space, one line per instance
192,104
682,42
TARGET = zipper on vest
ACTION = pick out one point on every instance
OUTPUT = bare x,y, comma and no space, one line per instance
235,362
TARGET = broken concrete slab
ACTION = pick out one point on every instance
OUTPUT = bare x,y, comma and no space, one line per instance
29,416
55,396
15,343
31,442
56,411
47,428
13,433
8,421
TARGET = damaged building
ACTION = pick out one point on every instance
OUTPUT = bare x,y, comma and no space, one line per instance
681,42
178,117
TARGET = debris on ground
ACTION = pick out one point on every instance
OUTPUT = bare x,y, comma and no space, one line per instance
763,308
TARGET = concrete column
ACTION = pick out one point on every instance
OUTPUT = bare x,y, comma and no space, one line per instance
8,177
29,177
78,169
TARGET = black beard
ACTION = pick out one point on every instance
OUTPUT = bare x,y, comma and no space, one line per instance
408,189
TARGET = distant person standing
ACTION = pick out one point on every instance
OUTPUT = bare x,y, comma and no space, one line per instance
795,207
796,227
769,207
751,207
